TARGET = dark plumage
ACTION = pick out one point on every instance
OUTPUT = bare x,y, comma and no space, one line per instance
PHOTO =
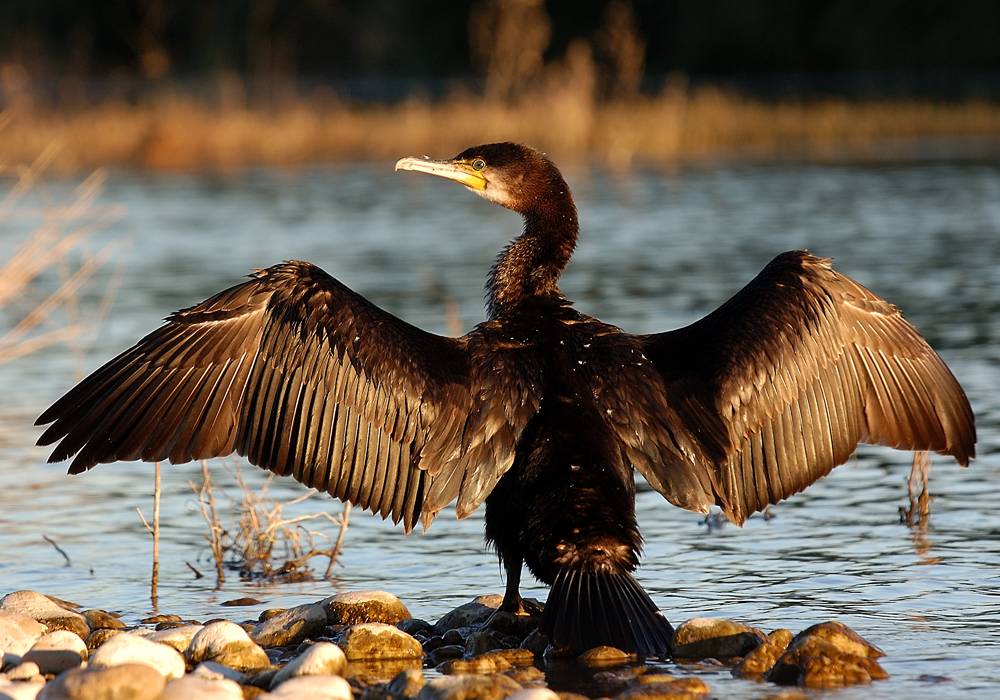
541,411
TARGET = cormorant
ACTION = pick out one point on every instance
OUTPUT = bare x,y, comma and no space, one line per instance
540,411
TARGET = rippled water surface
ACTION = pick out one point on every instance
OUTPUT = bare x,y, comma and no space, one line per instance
658,249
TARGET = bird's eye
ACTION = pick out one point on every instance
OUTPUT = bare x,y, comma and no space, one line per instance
478,164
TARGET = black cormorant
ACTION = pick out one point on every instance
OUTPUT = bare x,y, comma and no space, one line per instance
541,411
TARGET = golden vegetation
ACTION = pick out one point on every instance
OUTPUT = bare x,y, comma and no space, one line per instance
175,132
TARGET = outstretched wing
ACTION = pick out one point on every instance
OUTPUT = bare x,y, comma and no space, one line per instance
780,384
304,377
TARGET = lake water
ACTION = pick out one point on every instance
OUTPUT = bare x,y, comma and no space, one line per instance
659,248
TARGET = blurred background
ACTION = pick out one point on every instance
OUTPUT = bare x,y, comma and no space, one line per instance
229,83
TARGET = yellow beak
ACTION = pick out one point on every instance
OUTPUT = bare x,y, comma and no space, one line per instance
453,170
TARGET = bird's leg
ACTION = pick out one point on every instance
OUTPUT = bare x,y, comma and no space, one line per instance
512,595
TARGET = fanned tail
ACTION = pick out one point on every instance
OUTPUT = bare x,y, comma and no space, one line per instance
586,609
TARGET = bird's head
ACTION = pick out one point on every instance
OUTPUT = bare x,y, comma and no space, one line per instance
514,176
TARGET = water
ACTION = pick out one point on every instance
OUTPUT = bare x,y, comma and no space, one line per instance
659,249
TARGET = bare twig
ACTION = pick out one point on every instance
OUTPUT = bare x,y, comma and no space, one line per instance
58,548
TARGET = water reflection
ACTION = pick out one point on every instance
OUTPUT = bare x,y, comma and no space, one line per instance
658,250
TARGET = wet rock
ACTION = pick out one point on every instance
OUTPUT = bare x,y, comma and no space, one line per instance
56,652
18,632
160,619
132,681
177,637
321,659
407,683
415,626
20,690
511,624
192,686
482,641
213,672
290,627
472,613
228,644
44,610
101,620
356,607
843,637
374,640
704,638
131,649
98,637
762,659
536,643
527,675
677,689
603,656
484,664
445,653
469,687
828,655
312,687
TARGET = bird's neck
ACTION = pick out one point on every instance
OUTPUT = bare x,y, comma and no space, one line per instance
531,265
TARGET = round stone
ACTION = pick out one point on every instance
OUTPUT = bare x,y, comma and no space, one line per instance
356,607
132,649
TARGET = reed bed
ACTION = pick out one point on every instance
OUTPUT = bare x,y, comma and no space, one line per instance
173,131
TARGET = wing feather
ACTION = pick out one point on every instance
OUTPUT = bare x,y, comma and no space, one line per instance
798,368
305,377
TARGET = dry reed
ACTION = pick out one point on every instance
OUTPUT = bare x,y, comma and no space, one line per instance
261,543
42,311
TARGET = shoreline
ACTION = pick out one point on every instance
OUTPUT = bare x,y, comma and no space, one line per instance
176,132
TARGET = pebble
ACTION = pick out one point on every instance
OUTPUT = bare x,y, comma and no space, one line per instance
213,672
827,655
45,610
484,664
406,683
475,612
375,640
56,652
133,649
677,689
356,607
17,633
603,656
98,637
705,637
20,690
762,659
469,686
101,620
320,659
177,637
24,671
202,688
534,694
228,644
290,627
132,681
312,687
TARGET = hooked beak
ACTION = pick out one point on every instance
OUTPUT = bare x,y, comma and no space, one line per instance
451,169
